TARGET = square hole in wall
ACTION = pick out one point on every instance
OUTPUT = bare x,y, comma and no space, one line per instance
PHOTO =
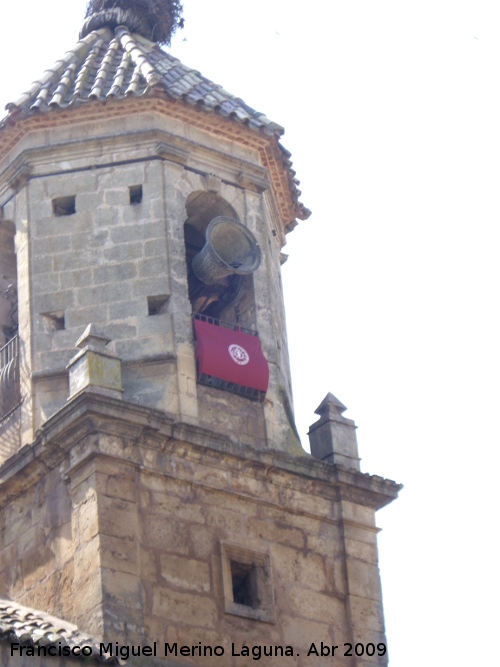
157,305
54,321
64,205
247,582
135,194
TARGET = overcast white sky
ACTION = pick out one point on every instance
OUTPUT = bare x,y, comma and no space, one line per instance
391,110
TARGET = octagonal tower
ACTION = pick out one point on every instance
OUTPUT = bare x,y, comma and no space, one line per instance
147,440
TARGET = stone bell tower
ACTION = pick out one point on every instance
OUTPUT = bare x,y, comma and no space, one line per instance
153,481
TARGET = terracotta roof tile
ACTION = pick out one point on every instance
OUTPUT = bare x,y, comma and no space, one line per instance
29,626
115,63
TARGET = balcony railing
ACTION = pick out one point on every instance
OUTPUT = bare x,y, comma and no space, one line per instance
10,391
226,325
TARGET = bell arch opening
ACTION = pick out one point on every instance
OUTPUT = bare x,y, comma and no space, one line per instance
213,233
8,283
9,339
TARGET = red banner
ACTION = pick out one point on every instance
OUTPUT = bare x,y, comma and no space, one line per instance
230,355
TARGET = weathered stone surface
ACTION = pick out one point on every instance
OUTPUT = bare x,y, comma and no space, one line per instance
364,579
302,633
316,606
272,532
185,573
118,518
144,538
306,569
190,609
115,513
366,615
167,535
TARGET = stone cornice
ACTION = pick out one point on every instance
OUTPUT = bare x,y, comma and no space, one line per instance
273,158
85,154
92,425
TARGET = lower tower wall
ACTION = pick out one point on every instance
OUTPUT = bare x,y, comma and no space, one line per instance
142,530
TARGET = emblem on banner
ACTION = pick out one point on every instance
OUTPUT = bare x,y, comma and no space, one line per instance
238,354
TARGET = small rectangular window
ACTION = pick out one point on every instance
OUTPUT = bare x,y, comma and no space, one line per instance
54,321
64,205
157,305
247,582
135,194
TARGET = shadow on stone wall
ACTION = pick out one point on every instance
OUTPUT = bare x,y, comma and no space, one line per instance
10,434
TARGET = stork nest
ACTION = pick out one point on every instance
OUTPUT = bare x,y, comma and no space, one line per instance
156,20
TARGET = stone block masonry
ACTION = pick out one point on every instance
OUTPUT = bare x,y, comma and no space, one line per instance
153,514
138,504
99,240
97,254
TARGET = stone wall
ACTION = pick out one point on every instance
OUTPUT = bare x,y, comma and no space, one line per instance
37,552
99,264
99,215
132,535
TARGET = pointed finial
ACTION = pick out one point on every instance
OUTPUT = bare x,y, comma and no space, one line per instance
333,437
330,406
93,339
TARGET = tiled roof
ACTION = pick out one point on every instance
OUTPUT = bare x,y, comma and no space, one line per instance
114,63
28,626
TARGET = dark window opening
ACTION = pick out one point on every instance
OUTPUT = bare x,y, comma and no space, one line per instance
135,194
64,206
157,305
54,321
245,584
